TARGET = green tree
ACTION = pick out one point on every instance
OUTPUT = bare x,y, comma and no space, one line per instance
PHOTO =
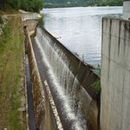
28,5
64,3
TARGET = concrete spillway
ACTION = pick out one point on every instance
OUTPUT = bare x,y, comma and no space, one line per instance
61,77
66,91
72,83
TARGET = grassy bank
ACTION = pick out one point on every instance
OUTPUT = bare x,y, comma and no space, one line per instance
11,73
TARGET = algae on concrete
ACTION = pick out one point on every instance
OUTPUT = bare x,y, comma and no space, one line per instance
96,86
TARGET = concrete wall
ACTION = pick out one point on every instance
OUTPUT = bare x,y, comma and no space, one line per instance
126,9
115,75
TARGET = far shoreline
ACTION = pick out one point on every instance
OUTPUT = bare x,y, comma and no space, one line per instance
80,7
46,7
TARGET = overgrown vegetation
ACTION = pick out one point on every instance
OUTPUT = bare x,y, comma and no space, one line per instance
28,5
72,3
11,73
96,86
105,2
1,20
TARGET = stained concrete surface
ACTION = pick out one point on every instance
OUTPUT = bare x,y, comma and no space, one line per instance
115,75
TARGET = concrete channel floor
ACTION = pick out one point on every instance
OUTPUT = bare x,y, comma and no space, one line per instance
31,114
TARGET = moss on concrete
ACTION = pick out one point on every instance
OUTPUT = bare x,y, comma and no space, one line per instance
96,86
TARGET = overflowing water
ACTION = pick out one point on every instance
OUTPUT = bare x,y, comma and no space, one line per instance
79,29
66,86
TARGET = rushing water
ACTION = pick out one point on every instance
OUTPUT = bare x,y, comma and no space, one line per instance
79,29
59,73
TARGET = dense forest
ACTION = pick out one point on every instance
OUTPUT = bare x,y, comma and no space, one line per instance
66,3
28,5
36,5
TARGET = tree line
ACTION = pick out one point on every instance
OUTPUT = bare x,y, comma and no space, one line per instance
36,5
27,5
71,3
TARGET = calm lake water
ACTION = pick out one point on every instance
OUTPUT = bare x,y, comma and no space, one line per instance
79,29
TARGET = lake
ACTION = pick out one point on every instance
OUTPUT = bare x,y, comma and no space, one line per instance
79,29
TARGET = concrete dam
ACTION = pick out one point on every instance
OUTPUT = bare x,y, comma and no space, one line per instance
66,91
62,84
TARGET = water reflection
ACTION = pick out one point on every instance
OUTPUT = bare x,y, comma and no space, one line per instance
79,29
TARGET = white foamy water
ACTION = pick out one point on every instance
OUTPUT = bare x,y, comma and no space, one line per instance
57,72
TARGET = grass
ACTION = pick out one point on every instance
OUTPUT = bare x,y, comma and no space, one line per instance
11,73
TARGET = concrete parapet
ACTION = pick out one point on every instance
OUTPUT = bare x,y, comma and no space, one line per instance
115,75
